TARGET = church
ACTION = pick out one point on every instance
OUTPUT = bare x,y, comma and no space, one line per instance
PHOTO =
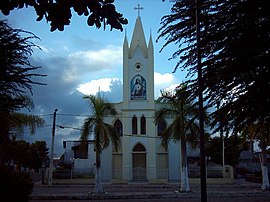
141,156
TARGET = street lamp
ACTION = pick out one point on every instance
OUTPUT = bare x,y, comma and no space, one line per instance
52,150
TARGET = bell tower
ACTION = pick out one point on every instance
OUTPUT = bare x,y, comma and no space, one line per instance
138,70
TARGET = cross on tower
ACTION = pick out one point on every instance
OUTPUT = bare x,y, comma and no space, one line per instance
138,8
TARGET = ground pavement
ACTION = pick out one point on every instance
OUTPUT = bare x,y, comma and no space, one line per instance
81,190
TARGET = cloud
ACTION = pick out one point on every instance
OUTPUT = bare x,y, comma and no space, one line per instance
43,49
93,63
81,66
161,79
110,88
165,81
94,86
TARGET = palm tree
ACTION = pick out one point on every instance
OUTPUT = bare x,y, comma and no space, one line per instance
22,120
19,121
14,123
184,127
103,132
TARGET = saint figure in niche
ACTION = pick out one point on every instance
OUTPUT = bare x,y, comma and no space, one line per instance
138,88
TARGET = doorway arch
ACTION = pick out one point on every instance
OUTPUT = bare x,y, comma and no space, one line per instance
139,162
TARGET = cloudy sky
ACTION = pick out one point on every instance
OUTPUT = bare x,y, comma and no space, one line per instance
82,59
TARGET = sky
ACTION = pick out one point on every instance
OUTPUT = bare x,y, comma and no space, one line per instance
83,60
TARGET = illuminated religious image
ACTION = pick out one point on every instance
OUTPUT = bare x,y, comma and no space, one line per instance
138,88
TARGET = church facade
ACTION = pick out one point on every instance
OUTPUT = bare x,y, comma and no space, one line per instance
141,156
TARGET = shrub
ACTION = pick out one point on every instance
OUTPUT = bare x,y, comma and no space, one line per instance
14,186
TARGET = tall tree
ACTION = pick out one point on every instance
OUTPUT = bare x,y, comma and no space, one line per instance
16,78
184,127
59,12
16,71
235,45
104,133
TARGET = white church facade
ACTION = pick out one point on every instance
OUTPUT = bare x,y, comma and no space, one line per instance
141,156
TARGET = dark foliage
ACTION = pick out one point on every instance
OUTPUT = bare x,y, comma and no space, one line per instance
16,77
16,71
14,186
59,12
233,147
235,43
22,154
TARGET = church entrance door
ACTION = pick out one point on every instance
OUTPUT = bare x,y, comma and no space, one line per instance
139,162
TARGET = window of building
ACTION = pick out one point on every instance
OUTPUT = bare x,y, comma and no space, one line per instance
119,127
161,127
80,151
143,125
134,125
139,148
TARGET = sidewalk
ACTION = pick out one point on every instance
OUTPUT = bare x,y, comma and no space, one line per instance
80,189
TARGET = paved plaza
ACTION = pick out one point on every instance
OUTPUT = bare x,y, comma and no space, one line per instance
82,190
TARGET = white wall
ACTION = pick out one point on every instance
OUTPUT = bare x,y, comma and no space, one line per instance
83,167
174,161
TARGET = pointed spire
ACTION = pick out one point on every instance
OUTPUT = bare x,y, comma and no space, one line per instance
125,39
150,42
150,48
138,38
125,48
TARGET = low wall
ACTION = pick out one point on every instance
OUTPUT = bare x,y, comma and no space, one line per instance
83,167
212,172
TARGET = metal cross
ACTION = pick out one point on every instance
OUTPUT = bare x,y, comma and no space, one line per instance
138,8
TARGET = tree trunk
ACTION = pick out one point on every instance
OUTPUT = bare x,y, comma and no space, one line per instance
98,184
265,179
4,134
184,170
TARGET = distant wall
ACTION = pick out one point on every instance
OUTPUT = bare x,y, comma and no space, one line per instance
83,167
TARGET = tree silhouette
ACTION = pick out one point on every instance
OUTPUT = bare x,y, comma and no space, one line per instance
16,78
59,12
235,45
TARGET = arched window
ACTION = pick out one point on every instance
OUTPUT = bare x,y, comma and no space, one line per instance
119,127
161,127
139,148
134,125
143,125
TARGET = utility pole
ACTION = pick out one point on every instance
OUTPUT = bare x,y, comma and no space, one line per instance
52,149
223,152
222,142
200,100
